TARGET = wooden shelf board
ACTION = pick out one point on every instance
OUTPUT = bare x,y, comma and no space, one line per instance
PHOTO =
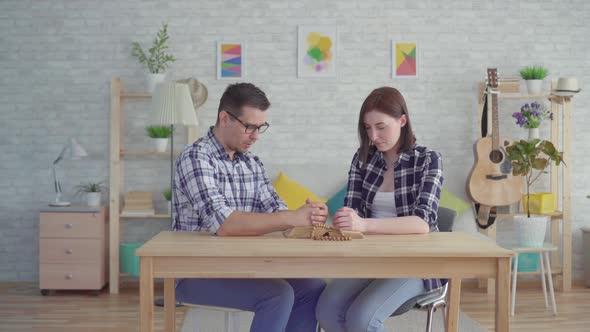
553,215
128,153
553,271
127,275
154,216
136,95
512,95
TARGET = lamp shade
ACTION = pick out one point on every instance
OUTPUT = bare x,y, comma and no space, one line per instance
76,150
172,105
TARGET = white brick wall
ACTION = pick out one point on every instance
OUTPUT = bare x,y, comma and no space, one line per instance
57,59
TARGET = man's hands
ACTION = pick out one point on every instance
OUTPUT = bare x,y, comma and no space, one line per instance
312,213
348,220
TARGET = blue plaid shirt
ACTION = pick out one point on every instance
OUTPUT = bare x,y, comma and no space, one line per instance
418,178
209,186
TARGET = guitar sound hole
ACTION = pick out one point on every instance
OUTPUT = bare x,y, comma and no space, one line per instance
496,156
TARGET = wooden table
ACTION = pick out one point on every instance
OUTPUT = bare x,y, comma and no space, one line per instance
452,255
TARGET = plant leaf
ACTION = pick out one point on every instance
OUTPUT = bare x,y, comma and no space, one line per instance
540,163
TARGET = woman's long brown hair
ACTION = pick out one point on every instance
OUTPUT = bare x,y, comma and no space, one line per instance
389,101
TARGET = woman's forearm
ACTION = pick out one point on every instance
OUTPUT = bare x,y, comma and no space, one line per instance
399,225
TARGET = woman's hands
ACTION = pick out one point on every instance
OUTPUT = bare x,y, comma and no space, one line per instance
348,220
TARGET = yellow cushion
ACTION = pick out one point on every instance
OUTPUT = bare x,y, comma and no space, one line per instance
451,201
292,192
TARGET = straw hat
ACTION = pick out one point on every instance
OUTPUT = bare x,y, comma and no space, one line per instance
198,91
566,87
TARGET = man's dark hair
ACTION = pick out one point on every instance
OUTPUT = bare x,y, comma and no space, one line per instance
238,95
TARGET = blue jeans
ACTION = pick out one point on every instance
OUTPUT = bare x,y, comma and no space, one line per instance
363,305
278,304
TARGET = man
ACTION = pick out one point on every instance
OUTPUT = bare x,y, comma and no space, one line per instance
220,187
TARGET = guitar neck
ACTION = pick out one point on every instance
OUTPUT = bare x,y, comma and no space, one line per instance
495,122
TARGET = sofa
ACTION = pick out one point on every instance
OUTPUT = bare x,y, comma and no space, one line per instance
325,180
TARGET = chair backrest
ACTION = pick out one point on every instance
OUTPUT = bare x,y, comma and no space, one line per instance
446,218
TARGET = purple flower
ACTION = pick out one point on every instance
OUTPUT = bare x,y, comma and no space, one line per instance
531,115
521,120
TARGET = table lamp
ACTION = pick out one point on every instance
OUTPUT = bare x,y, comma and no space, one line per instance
72,150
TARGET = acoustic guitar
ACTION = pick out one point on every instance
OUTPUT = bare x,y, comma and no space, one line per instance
491,181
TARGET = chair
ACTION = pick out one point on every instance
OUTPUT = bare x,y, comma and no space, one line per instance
231,316
432,300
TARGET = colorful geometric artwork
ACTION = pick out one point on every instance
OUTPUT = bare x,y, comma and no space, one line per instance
316,51
230,60
405,59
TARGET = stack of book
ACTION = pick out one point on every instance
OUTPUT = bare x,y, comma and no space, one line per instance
138,203
509,84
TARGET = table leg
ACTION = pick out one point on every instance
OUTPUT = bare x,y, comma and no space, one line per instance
170,304
503,295
488,283
146,295
453,305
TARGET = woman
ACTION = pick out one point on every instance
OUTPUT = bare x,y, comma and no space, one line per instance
393,188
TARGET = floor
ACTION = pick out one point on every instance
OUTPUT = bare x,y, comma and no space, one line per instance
22,308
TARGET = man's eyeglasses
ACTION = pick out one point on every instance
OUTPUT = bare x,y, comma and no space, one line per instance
249,127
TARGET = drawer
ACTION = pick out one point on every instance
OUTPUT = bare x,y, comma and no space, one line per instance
70,250
70,276
76,225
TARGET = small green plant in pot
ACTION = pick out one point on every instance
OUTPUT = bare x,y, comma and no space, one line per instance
528,156
155,59
534,76
92,190
160,135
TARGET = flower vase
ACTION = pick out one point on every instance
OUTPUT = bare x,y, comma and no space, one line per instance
533,133
153,80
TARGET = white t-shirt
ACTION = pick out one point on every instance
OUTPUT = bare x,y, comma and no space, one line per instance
383,205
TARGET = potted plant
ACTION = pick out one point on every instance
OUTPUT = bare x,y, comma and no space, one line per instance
156,60
160,135
531,116
92,190
168,196
533,76
526,157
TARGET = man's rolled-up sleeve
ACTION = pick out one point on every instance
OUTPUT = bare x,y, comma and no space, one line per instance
199,180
